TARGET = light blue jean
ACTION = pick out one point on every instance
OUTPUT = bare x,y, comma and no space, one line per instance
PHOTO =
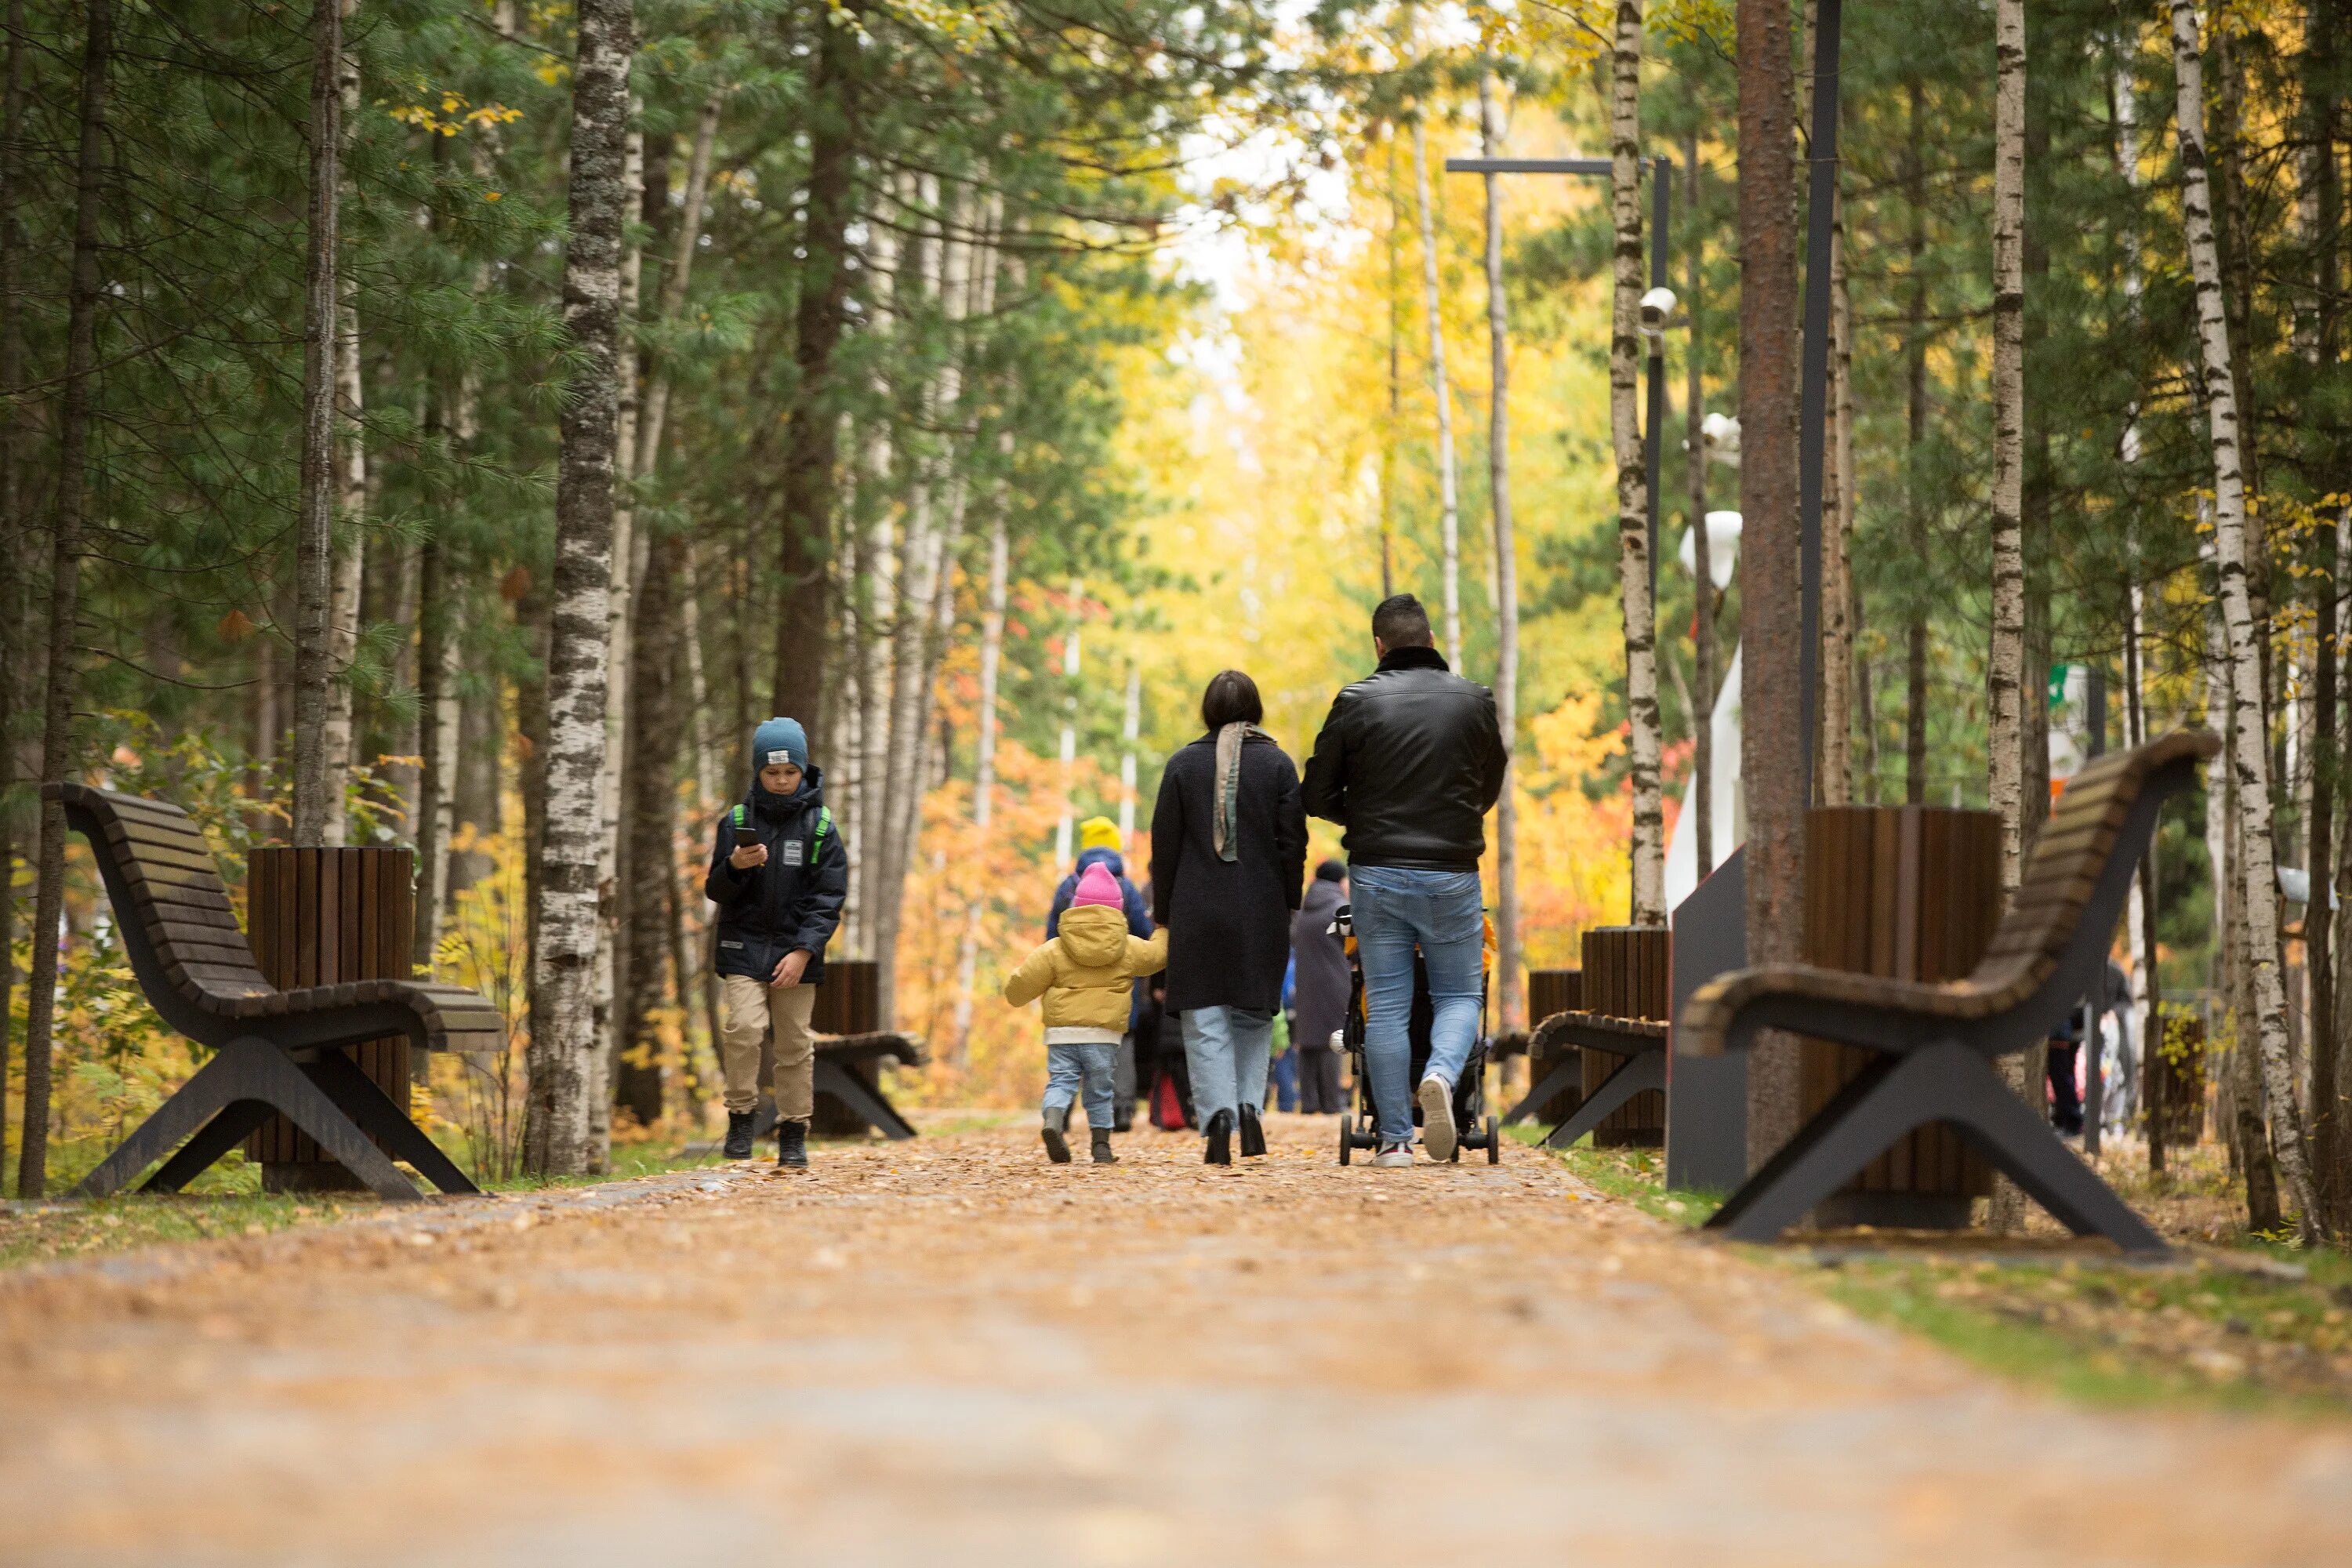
1067,1067
1393,909
1227,1049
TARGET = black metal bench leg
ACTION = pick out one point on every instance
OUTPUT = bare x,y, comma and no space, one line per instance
2010,1134
1563,1074
221,1134
1635,1073
248,1068
847,1087
362,1100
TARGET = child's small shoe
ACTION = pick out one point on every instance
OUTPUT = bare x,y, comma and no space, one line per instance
1056,1135
1103,1156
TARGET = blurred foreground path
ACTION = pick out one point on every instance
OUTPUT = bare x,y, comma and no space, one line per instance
949,1352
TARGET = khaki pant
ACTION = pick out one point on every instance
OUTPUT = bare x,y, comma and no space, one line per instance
755,1013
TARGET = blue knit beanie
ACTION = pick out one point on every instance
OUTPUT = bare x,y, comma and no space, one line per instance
780,741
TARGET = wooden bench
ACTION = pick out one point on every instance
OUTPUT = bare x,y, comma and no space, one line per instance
1623,991
1937,1043
273,1050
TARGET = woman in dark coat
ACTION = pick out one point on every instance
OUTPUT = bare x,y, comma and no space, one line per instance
1318,997
1228,853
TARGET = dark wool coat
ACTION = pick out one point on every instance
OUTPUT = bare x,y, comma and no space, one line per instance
1318,1002
1228,923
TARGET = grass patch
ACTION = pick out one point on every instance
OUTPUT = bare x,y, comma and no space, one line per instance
2261,1325
50,1235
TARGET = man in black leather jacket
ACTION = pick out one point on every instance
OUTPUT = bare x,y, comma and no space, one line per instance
1410,761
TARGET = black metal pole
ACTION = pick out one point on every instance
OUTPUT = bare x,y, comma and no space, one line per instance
1661,190
1813,410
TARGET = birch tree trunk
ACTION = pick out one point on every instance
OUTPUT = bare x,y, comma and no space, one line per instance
1649,847
1771,721
2006,681
1703,602
984,780
66,548
564,959
2249,749
316,774
1506,577
349,573
1835,771
1449,506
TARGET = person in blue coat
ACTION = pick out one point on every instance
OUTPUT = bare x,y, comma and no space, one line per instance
1098,845
778,874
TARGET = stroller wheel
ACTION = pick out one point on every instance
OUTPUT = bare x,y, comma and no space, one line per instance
1347,1141
1494,1143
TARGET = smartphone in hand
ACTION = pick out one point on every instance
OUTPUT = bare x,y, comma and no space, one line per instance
746,834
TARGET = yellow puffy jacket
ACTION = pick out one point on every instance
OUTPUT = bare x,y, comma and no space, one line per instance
1085,973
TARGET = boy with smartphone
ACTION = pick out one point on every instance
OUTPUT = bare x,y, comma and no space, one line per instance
778,874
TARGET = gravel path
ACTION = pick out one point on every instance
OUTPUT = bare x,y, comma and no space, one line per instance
948,1352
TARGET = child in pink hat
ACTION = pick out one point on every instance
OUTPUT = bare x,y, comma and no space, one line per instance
1085,975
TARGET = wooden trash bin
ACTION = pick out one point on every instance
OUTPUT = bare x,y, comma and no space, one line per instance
2177,1076
327,917
1625,976
1551,992
1911,892
848,1003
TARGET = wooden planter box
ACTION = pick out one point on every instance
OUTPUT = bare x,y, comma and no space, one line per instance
1625,976
1551,992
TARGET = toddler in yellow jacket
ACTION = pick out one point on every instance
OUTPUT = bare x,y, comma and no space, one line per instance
1085,976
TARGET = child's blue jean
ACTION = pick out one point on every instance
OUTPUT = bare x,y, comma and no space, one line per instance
1069,1067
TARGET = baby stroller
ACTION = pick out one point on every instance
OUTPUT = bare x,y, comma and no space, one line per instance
1359,1129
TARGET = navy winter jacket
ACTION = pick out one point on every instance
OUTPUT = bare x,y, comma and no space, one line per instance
793,900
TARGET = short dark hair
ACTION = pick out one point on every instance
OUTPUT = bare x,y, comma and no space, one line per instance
1401,622
1331,871
1232,698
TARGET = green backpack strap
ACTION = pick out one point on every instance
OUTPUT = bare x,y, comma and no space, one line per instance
743,816
823,826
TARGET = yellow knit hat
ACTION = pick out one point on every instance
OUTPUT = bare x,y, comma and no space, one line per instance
1097,833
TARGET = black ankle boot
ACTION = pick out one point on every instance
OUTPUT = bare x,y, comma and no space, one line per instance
792,1144
1103,1156
1252,1134
1056,1133
1219,1150
738,1135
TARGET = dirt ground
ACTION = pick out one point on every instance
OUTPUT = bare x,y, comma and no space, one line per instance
947,1351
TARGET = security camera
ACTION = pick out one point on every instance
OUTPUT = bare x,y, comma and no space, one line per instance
1721,433
1657,305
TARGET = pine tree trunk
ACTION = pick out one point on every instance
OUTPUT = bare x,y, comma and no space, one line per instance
565,956
650,823
1513,1000
804,620
316,772
1771,725
1433,302
1703,601
18,617
1915,384
2249,749
67,545
1634,584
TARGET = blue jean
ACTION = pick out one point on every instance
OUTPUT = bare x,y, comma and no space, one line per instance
1286,1080
1067,1067
1226,1050
1395,910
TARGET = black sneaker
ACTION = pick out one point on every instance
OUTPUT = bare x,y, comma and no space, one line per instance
1103,1156
1056,1135
1252,1132
792,1144
1219,1150
738,1135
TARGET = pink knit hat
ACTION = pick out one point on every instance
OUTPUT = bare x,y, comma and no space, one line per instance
1098,885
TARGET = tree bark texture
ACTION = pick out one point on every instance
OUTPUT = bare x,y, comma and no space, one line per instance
1634,499
651,858
565,957
2007,689
18,599
2249,749
1771,764
805,528
1506,573
1433,305
984,779
1835,773
1914,383
66,548
348,573
315,773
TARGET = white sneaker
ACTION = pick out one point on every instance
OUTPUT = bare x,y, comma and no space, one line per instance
1437,1117
1394,1157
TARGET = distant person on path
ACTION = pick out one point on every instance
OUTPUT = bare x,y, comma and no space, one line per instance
778,874
1318,1005
1087,975
1409,761
1228,850
1098,841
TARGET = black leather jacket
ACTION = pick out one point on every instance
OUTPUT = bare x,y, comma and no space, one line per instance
1409,761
